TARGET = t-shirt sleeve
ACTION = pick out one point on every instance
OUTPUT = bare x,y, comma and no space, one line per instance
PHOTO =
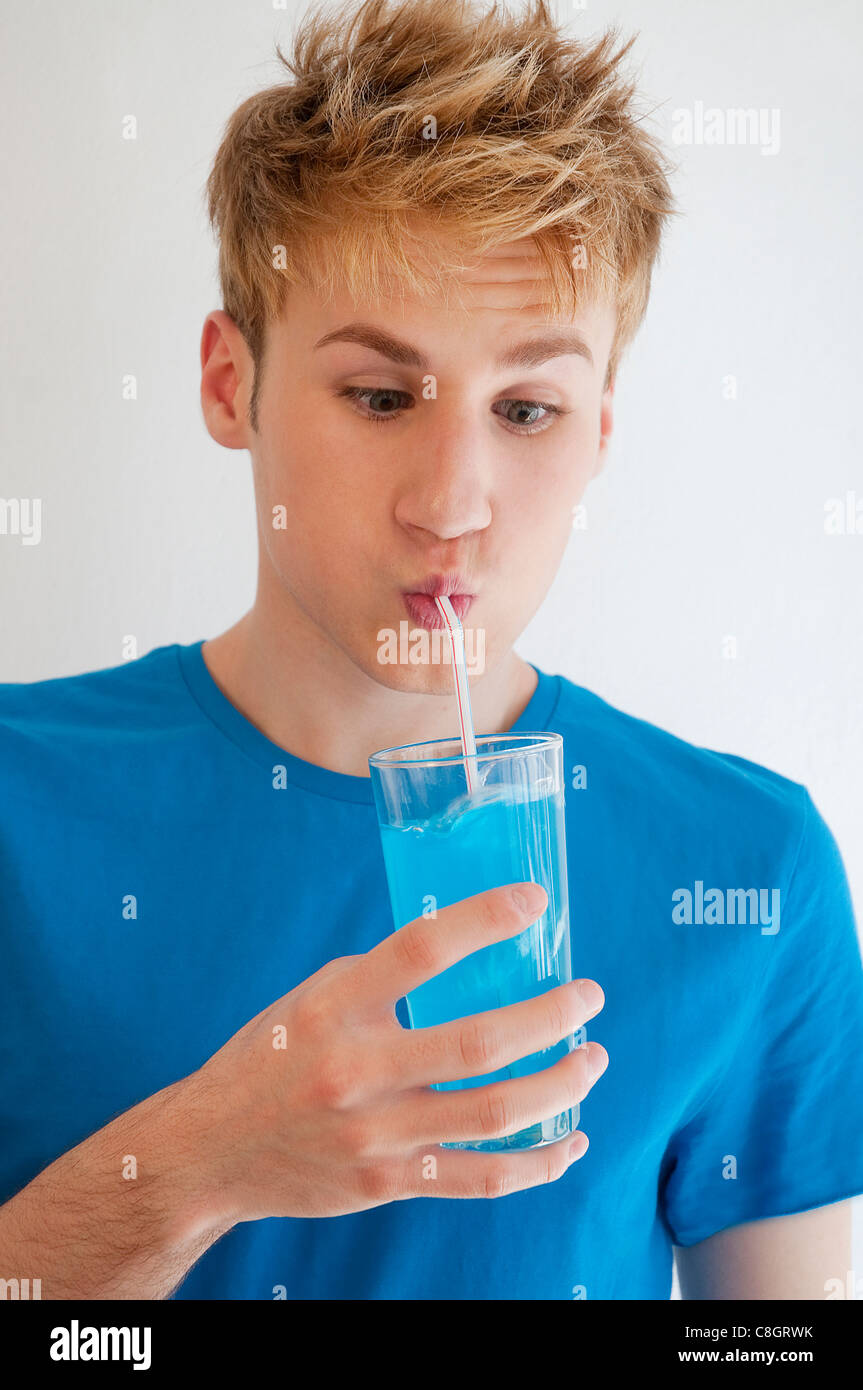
782,1129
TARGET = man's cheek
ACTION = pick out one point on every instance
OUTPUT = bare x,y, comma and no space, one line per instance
542,513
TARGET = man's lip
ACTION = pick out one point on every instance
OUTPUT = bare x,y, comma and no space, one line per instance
450,583
425,613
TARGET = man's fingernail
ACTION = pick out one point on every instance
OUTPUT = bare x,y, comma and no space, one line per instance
529,898
591,994
596,1064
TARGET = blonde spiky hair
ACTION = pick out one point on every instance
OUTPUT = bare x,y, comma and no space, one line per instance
491,126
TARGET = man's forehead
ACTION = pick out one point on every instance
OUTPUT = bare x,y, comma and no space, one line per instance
505,288
512,275
512,280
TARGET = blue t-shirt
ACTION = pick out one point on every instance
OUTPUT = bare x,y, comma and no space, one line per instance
735,1084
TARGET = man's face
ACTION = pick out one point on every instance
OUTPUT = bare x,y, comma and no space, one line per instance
424,456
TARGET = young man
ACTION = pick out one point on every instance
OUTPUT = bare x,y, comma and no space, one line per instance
191,858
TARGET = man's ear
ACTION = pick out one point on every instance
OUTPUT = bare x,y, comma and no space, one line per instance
227,373
606,424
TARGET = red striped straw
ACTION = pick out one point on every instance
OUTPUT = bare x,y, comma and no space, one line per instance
462,693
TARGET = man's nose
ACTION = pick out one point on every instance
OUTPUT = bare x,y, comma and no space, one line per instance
448,485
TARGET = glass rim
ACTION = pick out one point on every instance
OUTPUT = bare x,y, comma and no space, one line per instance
530,742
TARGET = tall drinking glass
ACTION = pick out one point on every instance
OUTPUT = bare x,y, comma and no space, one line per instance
442,844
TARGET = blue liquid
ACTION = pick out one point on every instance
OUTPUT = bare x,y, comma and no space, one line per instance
498,836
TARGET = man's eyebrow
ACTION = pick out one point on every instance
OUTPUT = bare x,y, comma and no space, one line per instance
558,343
532,352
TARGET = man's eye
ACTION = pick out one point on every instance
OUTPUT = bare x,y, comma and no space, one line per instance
383,403
525,414
388,410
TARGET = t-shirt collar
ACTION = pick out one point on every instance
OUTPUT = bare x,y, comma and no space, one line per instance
339,786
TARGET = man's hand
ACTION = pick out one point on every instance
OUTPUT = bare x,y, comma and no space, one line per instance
321,1104
340,1119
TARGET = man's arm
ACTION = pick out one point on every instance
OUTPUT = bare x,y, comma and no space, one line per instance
782,1257
321,1105
88,1229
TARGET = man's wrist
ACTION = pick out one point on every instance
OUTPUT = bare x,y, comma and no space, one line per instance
183,1151
129,1210
164,1153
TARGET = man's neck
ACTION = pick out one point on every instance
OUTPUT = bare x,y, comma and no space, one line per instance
306,695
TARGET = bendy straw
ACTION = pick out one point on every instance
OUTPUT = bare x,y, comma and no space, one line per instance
462,693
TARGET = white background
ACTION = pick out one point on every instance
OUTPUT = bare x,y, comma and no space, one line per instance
709,521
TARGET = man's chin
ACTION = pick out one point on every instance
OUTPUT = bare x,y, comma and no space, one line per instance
419,660
423,677
418,680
